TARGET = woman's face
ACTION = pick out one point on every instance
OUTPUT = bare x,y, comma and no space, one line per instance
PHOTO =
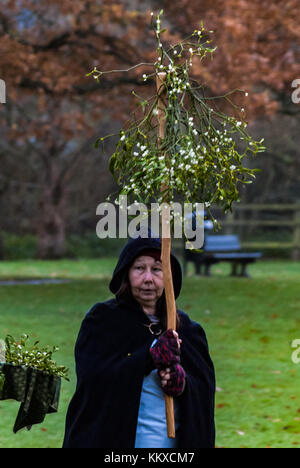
146,280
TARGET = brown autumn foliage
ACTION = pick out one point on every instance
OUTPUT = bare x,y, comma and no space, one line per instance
46,51
258,47
54,111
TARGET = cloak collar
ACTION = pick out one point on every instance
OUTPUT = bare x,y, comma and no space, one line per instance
128,302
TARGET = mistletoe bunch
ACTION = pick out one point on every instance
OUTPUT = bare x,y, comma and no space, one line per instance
200,157
20,353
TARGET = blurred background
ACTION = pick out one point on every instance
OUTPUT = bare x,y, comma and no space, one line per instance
52,178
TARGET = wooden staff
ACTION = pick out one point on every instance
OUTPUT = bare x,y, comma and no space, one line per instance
166,250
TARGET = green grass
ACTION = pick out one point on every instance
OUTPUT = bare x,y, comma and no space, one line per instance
250,324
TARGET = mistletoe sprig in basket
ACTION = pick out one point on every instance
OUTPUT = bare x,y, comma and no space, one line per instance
21,353
201,156
28,374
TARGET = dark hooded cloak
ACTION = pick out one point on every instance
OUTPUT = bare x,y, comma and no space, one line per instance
112,358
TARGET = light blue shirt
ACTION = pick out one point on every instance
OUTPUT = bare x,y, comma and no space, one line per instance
151,431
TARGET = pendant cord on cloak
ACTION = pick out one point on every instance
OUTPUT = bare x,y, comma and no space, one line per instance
152,328
155,326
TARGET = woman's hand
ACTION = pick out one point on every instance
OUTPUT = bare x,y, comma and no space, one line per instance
177,338
166,357
173,380
166,351
165,376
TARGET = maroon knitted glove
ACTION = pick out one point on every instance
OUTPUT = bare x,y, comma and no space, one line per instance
176,383
165,353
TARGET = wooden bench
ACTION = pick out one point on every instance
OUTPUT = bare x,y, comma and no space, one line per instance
221,248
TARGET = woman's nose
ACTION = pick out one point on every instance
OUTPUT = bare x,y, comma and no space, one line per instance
148,276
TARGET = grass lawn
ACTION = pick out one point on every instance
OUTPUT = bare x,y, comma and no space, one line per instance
250,325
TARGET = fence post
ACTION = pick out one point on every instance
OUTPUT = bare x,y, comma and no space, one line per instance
296,237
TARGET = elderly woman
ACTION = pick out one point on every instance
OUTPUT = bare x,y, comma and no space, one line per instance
126,360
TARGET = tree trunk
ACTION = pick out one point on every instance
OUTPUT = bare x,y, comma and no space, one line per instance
50,224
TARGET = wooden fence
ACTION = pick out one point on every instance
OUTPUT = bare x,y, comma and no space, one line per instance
237,220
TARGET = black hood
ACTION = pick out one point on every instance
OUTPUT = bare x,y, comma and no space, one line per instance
129,252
